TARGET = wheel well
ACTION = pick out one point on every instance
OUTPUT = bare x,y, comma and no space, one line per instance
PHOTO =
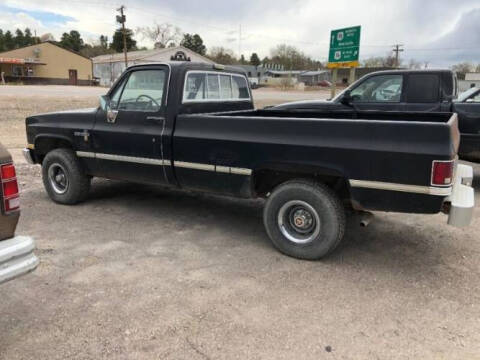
264,181
44,145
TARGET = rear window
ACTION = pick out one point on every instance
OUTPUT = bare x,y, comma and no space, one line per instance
423,88
201,86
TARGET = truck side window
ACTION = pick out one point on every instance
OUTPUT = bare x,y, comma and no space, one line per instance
215,86
195,87
240,87
143,91
423,88
380,88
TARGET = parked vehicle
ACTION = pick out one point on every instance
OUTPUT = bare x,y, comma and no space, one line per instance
16,252
408,90
193,126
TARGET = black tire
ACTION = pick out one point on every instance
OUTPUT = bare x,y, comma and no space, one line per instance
76,184
302,203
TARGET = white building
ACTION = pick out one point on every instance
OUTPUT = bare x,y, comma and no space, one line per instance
107,68
471,80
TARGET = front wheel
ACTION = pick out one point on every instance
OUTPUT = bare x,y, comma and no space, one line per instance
304,219
64,178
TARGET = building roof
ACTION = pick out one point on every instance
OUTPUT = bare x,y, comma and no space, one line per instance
285,72
54,43
472,76
144,55
314,73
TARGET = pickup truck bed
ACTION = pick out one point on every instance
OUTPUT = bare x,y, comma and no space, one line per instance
387,148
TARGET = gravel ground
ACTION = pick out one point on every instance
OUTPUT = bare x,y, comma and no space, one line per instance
141,272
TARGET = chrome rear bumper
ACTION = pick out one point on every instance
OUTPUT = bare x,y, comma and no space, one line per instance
17,257
462,199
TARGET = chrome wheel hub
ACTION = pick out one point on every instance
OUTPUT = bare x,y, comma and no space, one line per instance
58,179
298,221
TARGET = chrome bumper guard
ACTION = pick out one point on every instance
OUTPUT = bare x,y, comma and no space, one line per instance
17,257
28,156
462,199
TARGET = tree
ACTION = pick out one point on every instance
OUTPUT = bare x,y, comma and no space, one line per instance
161,35
242,60
222,56
293,59
72,41
254,59
117,40
28,38
379,61
194,42
9,40
2,41
19,39
414,64
104,41
463,67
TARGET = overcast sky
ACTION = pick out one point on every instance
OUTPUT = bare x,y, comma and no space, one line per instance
441,32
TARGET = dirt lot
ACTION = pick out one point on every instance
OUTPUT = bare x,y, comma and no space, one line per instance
140,272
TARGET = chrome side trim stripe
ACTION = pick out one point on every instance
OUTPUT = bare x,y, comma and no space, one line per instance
417,189
196,166
86,154
132,159
178,164
240,171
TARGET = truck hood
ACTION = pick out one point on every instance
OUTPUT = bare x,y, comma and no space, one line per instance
87,115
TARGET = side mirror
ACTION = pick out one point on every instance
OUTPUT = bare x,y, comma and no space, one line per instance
104,103
346,98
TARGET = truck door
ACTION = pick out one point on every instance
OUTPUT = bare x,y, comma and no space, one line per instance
384,92
127,135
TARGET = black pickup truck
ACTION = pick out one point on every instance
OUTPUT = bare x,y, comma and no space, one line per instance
409,90
194,126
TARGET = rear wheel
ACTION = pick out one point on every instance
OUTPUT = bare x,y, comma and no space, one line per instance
64,177
304,219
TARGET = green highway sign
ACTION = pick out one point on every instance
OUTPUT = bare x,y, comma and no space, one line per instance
344,47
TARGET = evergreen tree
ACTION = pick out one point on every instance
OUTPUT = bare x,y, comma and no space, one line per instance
194,42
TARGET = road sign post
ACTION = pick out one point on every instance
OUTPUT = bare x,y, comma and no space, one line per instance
344,51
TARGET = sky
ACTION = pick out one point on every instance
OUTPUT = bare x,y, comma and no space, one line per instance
440,32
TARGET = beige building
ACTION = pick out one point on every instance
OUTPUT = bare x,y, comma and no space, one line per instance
46,63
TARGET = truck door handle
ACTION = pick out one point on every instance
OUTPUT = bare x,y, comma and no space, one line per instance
158,119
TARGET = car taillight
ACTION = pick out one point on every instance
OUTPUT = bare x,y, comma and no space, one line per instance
9,183
442,172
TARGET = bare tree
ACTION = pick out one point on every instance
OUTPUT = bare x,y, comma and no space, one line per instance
162,35
414,64
463,68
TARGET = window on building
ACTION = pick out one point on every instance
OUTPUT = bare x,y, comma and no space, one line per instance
17,70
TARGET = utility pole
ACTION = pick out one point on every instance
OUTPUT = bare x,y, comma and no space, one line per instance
121,19
397,49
